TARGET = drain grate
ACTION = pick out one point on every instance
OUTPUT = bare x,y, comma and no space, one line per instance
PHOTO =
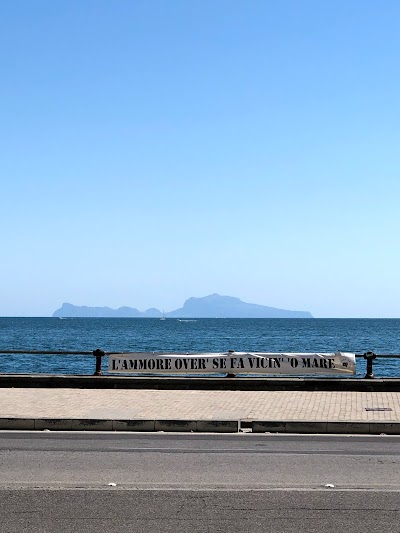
378,409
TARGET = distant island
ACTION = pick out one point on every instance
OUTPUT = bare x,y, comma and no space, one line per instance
213,306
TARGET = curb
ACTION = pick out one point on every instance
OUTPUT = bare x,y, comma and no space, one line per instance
200,426
84,424
293,426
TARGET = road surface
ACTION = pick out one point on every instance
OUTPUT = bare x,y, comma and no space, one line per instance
59,482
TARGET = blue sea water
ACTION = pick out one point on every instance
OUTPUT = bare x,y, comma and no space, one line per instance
201,335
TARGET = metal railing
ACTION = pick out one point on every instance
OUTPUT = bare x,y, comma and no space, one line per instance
99,354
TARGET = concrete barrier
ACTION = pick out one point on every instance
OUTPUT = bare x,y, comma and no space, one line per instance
199,383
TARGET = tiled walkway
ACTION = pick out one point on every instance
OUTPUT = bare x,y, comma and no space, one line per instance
204,405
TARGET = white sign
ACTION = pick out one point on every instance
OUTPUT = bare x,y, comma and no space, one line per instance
233,363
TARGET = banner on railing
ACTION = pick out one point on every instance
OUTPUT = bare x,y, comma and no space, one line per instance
233,363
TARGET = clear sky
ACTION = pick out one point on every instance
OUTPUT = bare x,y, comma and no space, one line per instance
155,150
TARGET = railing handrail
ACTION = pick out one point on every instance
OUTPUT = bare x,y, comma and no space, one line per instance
99,354
73,352
45,352
382,355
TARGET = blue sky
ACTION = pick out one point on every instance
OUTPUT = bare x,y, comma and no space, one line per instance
153,151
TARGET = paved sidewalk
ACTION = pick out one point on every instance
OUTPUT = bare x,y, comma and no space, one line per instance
270,407
192,405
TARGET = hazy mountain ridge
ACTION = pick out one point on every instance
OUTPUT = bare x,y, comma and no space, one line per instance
212,306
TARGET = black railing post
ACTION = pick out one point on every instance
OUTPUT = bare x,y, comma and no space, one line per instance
369,356
231,352
99,354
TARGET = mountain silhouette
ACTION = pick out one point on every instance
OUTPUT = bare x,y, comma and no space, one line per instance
212,306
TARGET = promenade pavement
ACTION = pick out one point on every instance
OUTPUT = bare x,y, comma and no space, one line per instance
41,408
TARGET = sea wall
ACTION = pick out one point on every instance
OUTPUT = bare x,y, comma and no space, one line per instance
198,383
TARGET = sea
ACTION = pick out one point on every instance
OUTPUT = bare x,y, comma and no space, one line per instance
381,336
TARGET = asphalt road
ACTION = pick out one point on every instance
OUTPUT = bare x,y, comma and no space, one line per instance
58,482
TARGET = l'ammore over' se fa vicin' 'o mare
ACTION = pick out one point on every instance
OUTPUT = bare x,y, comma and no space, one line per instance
235,362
